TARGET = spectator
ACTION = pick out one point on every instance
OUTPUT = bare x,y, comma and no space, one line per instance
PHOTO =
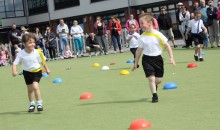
62,31
3,56
115,31
165,25
178,12
184,18
213,24
50,43
68,54
38,41
203,8
101,34
77,33
92,44
14,37
130,21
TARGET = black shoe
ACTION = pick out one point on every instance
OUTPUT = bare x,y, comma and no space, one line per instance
212,46
201,59
31,108
39,108
138,66
175,46
196,58
156,87
154,99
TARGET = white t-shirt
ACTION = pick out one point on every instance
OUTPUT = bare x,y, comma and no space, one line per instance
29,61
193,25
152,43
133,43
60,28
75,30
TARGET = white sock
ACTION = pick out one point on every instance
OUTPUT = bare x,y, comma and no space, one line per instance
32,103
39,102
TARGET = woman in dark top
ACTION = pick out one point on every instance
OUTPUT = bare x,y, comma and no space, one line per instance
50,43
101,34
115,30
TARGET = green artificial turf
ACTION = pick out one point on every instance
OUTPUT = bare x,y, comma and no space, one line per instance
118,100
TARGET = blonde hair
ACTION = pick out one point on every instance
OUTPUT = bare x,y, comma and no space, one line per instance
147,17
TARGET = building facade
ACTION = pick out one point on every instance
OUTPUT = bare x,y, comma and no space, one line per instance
43,13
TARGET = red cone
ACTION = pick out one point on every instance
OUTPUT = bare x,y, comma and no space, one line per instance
86,95
191,65
140,124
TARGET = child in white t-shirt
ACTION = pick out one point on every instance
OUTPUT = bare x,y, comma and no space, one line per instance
31,60
197,27
132,39
151,44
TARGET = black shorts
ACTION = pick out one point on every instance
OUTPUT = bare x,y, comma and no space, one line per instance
197,39
133,51
153,65
31,77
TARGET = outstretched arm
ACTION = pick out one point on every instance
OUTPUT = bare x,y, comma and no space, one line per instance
138,55
170,52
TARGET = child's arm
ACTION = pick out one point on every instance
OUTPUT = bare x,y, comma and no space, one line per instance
14,71
170,52
138,55
46,68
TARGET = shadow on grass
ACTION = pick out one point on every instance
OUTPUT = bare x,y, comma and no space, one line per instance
18,113
113,102
120,68
182,62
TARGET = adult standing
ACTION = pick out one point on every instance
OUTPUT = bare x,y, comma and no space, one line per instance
184,18
131,21
62,31
77,33
179,22
14,37
39,38
115,31
213,24
50,42
101,34
165,25
203,9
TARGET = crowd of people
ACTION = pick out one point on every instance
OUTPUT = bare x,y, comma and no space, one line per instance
96,41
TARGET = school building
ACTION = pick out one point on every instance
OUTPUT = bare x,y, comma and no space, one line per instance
42,13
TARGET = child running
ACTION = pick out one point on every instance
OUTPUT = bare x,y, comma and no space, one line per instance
132,39
151,44
196,27
30,60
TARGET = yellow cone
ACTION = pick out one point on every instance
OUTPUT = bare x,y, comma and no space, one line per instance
96,65
124,72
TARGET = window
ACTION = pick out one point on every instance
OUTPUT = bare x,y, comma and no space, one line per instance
37,6
61,4
93,1
11,8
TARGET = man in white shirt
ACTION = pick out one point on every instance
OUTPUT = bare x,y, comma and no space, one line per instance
62,31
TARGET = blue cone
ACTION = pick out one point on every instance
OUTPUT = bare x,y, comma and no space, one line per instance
170,85
203,53
57,80
130,61
45,75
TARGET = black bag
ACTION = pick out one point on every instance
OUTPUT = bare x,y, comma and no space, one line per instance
202,35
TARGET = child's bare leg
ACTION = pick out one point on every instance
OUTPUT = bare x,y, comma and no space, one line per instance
37,91
30,93
152,84
158,81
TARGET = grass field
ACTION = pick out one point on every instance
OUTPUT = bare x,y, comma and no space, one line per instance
118,100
